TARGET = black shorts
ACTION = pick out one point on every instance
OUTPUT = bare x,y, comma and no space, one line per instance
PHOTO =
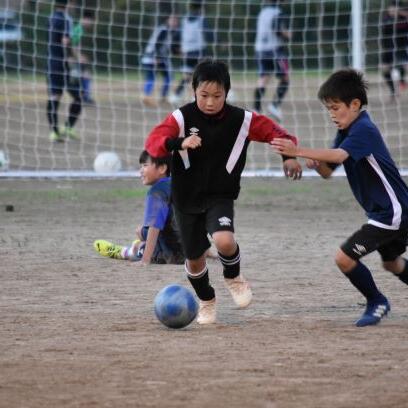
191,60
272,62
59,80
389,243
194,228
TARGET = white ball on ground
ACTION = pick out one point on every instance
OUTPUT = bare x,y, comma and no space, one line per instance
107,162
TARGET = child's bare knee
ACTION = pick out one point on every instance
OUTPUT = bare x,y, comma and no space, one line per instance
395,266
225,242
344,262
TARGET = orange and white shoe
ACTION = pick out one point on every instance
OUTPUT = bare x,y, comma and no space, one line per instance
240,290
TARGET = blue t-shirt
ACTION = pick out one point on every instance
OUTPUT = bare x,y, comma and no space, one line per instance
373,175
157,204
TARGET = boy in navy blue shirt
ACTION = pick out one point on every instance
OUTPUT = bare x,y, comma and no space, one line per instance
375,182
158,239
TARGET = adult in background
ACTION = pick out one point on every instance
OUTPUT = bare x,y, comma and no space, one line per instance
272,36
58,78
156,59
394,43
195,36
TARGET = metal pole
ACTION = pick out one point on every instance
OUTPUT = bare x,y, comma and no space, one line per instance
357,34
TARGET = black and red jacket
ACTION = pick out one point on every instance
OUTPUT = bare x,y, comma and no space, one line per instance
213,170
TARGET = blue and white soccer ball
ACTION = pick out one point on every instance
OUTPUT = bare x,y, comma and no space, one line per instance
175,306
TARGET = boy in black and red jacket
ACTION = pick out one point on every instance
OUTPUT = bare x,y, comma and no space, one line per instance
209,140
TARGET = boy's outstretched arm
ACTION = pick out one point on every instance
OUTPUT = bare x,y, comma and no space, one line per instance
151,241
318,158
288,148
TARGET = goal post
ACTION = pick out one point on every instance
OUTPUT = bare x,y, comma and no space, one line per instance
326,35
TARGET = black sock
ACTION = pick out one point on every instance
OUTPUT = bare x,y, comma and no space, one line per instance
74,112
280,92
259,92
231,264
389,82
403,276
52,114
201,284
362,279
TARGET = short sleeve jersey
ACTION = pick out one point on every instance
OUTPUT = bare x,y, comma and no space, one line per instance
372,174
157,204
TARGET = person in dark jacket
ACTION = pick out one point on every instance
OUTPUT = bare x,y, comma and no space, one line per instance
394,42
209,140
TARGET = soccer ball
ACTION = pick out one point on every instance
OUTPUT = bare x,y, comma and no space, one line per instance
4,161
175,306
107,162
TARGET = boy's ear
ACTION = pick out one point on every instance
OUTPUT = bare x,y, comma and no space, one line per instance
163,168
355,105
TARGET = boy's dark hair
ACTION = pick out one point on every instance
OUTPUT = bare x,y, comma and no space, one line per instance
157,161
212,71
344,85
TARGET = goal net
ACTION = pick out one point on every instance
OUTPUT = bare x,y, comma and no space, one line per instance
324,38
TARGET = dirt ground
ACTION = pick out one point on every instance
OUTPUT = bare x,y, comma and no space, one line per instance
78,330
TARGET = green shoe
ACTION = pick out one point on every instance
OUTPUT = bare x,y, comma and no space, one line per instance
70,133
56,137
106,248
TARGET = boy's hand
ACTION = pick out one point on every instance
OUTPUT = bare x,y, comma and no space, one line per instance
292,169
285,147
312,164
191,142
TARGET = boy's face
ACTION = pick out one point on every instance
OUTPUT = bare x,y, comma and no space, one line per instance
342,114
150,172
210,97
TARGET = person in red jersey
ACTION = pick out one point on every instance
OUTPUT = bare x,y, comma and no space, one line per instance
208,139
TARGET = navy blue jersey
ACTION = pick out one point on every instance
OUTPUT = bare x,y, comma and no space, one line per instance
373,175
59,26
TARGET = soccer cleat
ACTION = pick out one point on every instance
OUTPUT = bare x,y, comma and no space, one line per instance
275,111
56,137
373,313
240,290
207,312
70,133
106,248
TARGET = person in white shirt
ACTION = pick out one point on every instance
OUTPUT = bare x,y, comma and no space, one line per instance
195,37
272,36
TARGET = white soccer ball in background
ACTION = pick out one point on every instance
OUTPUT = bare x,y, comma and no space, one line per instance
107,162
4,161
